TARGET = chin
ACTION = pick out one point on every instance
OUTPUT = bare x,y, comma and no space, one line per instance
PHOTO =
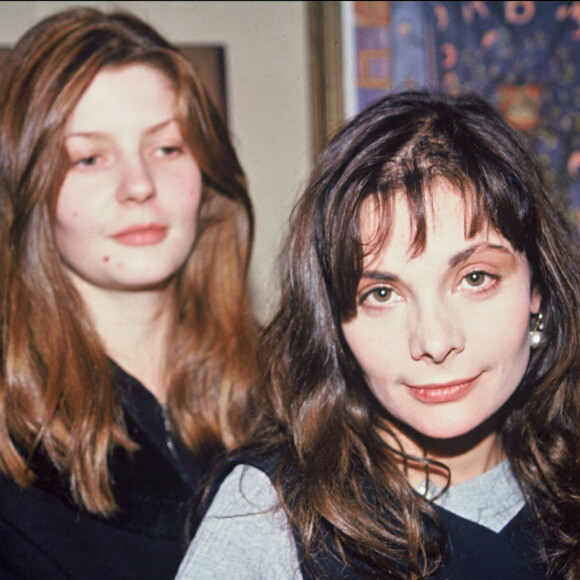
444,428
143,279
142,283
462,435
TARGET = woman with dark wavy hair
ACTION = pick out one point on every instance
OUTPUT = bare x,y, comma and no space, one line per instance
128,343
420,412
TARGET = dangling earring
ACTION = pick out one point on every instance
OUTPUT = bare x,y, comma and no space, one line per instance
536,334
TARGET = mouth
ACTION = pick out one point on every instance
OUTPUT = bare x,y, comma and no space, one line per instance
444,392
141,235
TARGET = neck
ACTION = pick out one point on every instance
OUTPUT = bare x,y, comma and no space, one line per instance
465,457
133,326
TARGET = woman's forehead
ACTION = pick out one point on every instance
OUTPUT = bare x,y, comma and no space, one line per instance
413,218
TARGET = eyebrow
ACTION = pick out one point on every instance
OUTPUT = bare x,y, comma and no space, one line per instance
101,134
378,275
454,261
465,254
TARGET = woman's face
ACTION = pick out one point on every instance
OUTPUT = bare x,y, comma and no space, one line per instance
442,337
126,214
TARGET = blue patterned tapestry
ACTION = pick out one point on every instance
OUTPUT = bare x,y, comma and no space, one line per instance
524,57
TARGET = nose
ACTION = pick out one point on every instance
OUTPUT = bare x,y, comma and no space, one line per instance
136,183
435,333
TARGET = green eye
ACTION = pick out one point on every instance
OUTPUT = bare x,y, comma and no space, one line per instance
476,278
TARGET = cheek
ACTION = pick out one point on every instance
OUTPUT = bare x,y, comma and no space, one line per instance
186,192
194,200
500,344
76,220
504,324
505,342
377,349
69,216
186,210
79,205
66,208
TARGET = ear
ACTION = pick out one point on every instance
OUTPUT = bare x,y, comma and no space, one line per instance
535,301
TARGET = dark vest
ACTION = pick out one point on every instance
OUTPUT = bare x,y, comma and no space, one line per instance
474,551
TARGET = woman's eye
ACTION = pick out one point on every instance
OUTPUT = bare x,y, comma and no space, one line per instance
89,161
382,294
476,279
479,281
379,295
170,150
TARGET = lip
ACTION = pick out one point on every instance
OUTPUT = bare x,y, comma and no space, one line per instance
444,392
141,235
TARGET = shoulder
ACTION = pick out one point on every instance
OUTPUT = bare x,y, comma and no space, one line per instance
248,487
244,534
250,468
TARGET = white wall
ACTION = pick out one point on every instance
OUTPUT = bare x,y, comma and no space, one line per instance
268,98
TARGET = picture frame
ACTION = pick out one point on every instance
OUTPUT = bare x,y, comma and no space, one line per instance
326,70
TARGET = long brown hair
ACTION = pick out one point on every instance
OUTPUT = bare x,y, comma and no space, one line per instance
56,395
337,479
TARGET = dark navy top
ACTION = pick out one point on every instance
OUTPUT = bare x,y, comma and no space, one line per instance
44,536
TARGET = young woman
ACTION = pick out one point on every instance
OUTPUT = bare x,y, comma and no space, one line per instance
128,344
420,414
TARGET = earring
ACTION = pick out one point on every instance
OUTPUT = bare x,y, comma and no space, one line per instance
536,334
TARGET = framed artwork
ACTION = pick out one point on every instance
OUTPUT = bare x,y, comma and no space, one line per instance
326,70
209,61
211,64
524,57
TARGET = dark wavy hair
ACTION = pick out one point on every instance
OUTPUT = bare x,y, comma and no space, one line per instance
337,479
56,395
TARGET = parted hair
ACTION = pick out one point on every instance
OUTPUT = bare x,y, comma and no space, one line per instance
337,479
56,395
